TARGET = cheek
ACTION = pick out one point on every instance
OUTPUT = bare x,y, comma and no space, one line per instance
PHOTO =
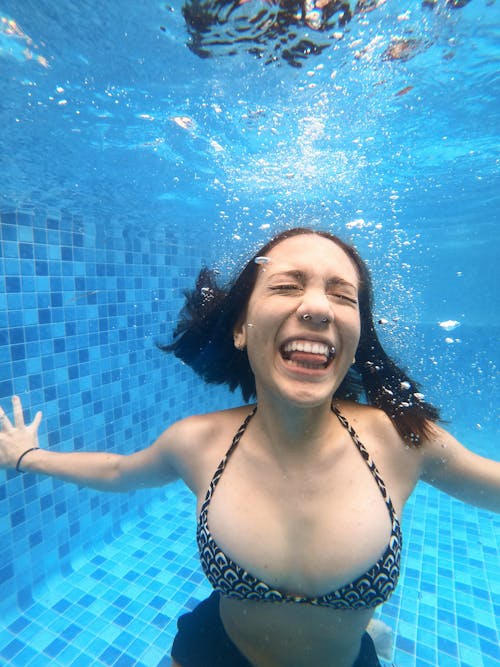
357,328
260,338
354,330
256,336
256,350
258,321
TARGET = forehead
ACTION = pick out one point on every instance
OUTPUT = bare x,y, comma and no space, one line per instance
311,253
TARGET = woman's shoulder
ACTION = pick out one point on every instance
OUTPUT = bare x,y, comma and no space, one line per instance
399,465
198,442
378,433
207,426
369,416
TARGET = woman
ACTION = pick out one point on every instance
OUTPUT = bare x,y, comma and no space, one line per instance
298,531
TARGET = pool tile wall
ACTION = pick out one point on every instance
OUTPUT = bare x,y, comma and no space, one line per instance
92,578
81,306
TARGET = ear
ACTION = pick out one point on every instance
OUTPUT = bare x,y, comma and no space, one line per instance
240,335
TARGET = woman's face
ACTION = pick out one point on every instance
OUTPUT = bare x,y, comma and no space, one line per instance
301,326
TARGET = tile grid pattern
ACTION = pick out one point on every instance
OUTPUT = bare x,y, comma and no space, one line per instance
120,604
91,578
81,306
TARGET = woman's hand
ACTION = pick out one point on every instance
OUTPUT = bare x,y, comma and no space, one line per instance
104,471
16,438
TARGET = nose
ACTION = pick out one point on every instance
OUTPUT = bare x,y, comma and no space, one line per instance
315,309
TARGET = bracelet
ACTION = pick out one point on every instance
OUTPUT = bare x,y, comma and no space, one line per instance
31,449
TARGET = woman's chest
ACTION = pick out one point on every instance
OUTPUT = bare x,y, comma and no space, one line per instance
306,533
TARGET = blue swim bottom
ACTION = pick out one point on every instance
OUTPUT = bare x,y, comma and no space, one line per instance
201,641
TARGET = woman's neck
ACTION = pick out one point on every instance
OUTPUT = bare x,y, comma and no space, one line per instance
291,430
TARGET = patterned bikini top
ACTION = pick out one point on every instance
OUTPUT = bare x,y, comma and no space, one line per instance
232,581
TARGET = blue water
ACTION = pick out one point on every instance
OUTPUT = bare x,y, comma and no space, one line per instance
126,163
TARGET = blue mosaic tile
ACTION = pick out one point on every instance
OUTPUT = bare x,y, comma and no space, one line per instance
54,648
78,321
490,649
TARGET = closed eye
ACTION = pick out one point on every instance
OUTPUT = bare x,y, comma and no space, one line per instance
343,297
285,288
291,287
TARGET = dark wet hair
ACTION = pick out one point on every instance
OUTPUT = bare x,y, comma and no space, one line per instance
203,339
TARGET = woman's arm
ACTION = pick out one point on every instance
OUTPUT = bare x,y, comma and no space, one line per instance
149,467
456,470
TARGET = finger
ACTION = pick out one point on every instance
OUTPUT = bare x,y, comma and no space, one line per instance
17,408
4,420
36,422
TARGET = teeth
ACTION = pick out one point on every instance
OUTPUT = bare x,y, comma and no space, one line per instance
308,346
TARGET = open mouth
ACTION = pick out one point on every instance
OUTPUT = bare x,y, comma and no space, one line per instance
308,354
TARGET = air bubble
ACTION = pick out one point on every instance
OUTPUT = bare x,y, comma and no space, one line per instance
449,325
262,260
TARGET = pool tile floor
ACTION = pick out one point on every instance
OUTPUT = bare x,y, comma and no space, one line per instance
119,605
